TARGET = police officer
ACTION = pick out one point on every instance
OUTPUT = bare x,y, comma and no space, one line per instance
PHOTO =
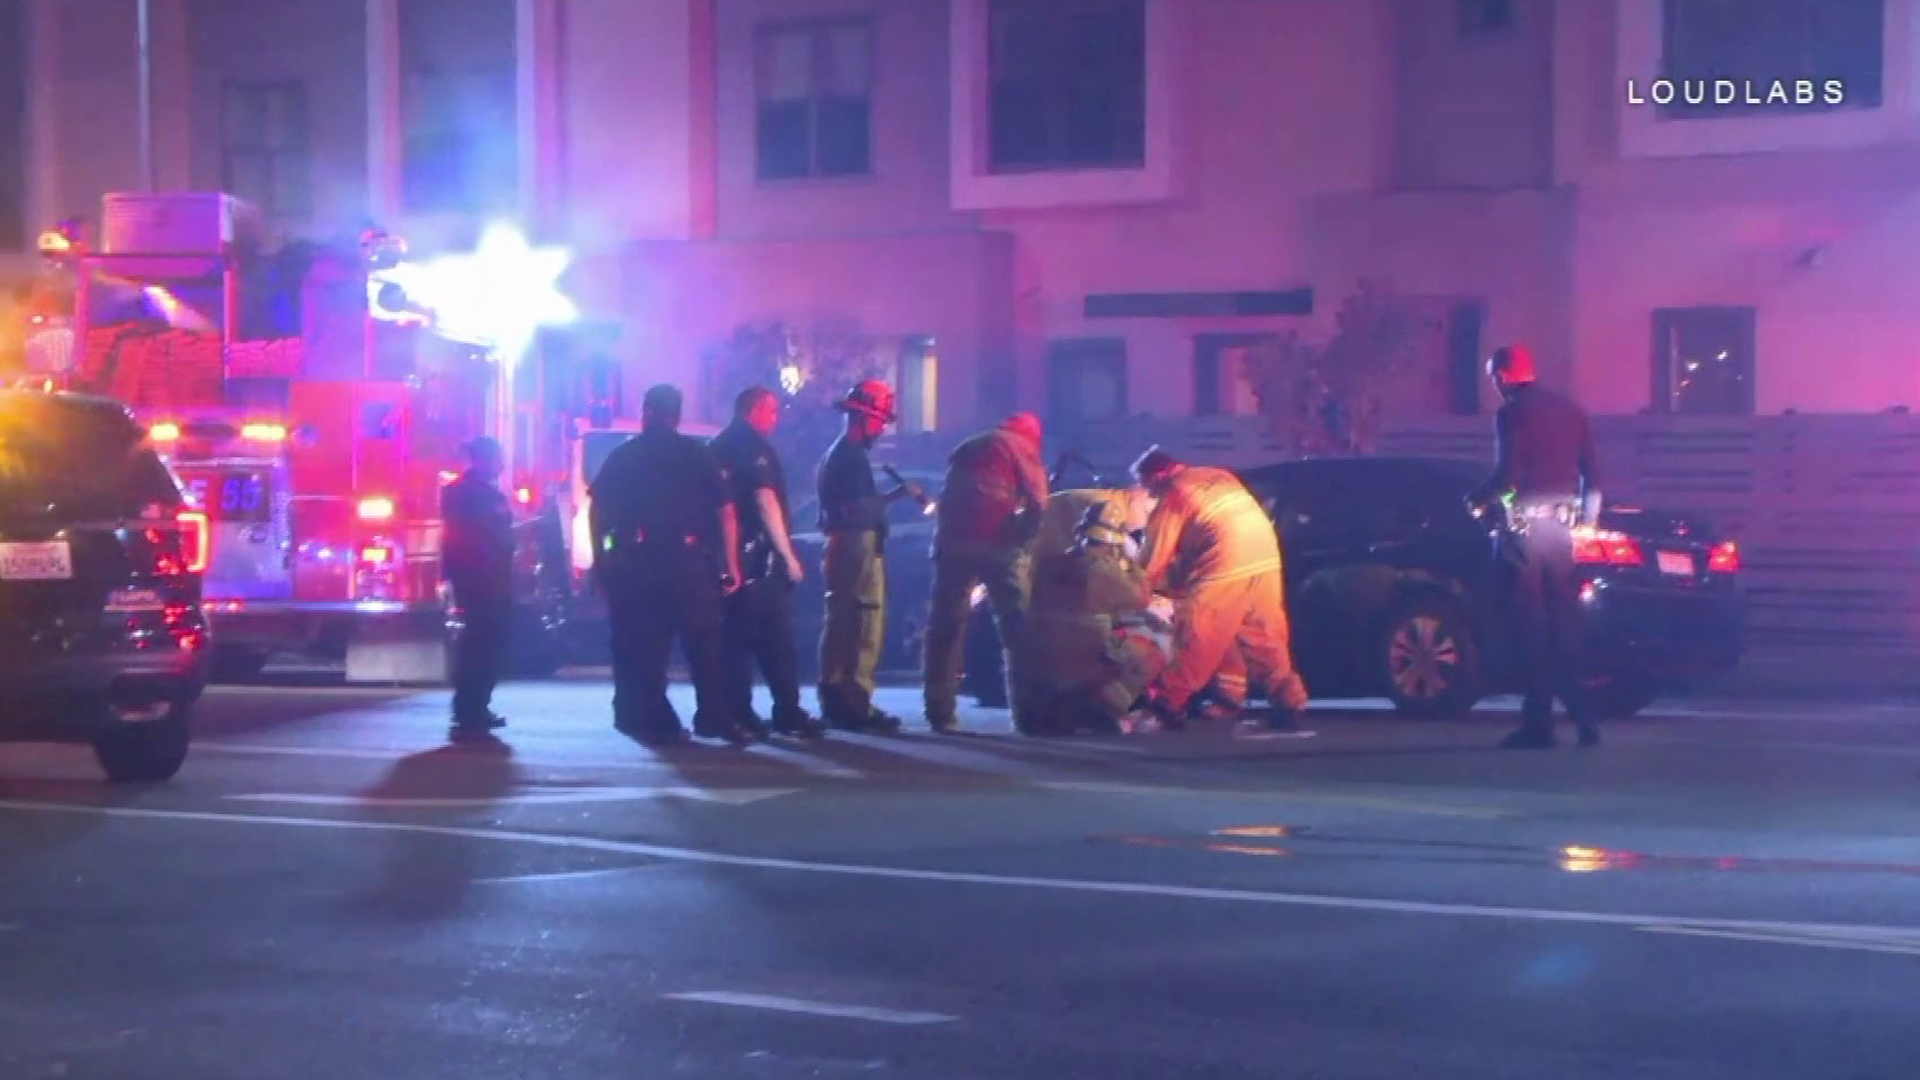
1545,473
666,550
477,561
990,511
853,515
759,621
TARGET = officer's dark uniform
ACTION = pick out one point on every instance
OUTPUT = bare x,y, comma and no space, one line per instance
477,560
656,502
853,515
1546,461
759,617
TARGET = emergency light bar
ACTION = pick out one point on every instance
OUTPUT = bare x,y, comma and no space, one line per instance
164,432
264,432
376,509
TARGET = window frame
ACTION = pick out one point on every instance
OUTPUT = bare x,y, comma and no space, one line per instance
1661,361
818,31
1679,110
1051,91
276,157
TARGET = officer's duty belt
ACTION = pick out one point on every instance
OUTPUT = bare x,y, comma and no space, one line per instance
1560,512
641,538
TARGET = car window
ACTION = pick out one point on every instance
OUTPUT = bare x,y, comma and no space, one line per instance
73,463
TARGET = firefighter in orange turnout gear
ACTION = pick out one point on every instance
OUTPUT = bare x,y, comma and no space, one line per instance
1213,550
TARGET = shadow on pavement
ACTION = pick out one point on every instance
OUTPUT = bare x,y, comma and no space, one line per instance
230,709
422,877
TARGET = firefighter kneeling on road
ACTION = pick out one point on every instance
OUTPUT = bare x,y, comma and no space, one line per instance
1091,646
1213,550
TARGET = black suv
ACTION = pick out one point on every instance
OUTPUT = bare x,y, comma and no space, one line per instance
1393,591
102,637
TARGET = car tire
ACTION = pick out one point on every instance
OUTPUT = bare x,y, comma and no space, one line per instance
146,751
1427,658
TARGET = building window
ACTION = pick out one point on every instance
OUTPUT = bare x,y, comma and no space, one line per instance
264,157
13,125
1067,83
458,106
1479,17
919,383
1703,361
814,82
1086,381
1758,45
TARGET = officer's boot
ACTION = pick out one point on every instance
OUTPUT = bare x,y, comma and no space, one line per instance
797,723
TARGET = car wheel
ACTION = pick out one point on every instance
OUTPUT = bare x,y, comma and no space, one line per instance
1428,659
146,744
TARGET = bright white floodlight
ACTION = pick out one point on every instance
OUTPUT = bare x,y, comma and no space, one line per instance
498,296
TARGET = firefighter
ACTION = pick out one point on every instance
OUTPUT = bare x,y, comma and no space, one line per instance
1545,474
1059,526
990,508
759,622
1091,649
477,560
666,549
1212,549
853,515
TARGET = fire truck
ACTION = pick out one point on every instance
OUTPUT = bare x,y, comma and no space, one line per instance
313,418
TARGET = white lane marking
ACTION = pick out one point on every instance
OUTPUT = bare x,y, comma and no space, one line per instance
364,753
965,877
563,875
801,761
1365,802
1871,941
811,1008
729,796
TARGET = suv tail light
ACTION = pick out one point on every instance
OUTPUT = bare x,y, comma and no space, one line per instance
195,540
1725,559
1600,546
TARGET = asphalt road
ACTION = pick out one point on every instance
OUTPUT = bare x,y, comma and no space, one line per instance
329,891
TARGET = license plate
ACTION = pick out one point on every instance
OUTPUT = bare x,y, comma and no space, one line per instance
52,561
1676,563
134,600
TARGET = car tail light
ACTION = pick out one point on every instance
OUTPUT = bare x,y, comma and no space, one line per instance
195,540
1606,548
1725,559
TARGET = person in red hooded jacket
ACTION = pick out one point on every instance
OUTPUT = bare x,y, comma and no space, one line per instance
989,513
